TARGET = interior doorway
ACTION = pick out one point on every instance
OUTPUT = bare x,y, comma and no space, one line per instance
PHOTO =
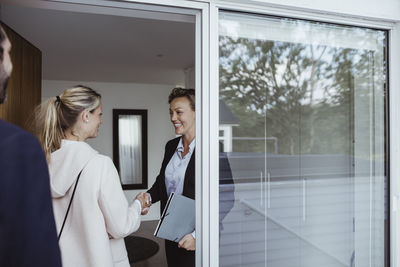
131,53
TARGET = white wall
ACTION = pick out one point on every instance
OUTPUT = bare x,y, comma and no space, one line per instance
152,97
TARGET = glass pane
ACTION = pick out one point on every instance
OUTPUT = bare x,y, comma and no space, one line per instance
304,105
130,148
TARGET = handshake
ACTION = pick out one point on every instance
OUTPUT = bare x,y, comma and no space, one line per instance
145,201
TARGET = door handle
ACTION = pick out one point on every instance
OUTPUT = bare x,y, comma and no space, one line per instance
261,189
269,189
304,199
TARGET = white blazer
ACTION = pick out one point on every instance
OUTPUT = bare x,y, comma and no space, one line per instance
99,210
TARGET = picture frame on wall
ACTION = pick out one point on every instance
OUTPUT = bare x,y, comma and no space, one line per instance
130,147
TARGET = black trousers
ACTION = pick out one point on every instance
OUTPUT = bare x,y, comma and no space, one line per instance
179,257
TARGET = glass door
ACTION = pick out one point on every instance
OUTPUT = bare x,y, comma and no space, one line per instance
302,124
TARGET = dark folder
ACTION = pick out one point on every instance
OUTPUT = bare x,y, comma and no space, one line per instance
177,219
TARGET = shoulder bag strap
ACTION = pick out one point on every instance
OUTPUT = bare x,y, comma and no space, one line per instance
69,206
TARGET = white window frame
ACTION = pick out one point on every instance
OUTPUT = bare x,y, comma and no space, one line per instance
200,10
394,142
207,122
393,28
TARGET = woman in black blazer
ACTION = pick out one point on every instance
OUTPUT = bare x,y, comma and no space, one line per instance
177,173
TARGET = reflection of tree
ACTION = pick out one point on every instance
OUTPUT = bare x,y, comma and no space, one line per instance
303,93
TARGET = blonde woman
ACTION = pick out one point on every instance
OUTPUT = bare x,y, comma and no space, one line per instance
91,231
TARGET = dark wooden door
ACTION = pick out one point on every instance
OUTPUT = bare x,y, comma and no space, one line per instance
25,84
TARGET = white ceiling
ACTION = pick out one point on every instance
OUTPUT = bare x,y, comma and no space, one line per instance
82,46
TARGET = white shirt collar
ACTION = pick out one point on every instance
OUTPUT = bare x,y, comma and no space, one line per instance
191,146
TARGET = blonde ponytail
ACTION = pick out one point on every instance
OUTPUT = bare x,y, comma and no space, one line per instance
60,113
48,126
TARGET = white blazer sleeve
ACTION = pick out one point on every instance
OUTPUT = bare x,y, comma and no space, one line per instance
121,218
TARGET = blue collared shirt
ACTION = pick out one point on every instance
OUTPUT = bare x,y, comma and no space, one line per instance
176,169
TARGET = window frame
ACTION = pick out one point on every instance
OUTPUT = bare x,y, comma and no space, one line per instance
207,80
392,112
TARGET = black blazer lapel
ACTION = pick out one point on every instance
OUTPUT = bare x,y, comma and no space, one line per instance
190,181
169,152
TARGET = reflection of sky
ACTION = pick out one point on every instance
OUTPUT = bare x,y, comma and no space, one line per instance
298,31
322,86
242,36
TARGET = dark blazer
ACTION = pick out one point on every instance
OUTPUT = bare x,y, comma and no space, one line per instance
158,191
178,257
27,230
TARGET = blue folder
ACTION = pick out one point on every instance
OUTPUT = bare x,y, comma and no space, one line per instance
177,219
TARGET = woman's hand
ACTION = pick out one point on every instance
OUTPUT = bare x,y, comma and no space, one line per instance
187,242
145,202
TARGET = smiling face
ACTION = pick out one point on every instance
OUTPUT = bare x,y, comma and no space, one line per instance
182,117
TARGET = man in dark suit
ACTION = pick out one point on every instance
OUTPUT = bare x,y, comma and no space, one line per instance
27,230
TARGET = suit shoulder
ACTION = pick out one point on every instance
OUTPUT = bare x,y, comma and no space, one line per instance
11,134
8,129
173,142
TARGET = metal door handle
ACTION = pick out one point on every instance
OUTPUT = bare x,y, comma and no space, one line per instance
269,189
304,199
261,189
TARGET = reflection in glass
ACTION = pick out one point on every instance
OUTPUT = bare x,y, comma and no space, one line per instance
130,148
308,151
